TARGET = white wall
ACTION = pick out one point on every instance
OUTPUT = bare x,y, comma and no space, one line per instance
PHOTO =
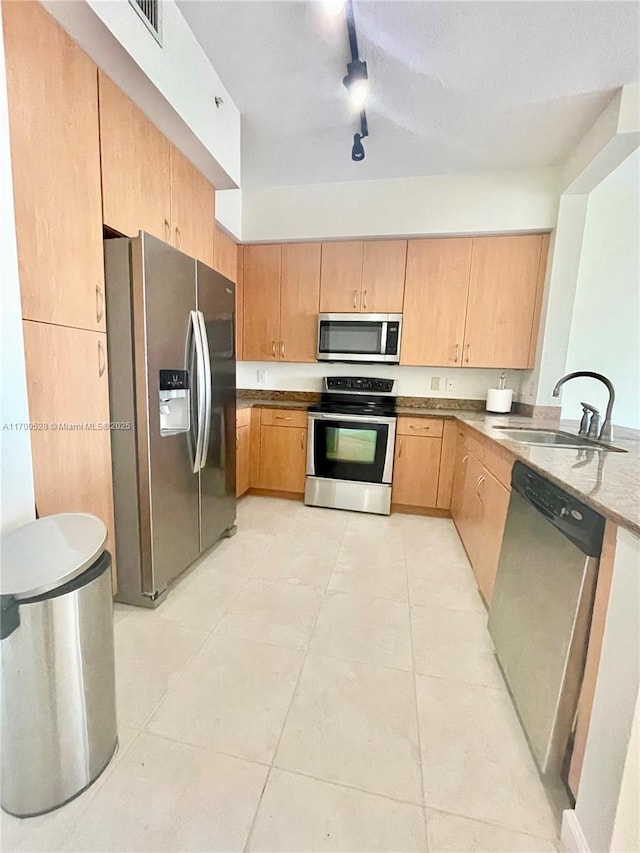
469,383
609,739
605,328
16,477
174,84
492,202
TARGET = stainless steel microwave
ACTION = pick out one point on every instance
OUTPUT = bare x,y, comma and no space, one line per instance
359,337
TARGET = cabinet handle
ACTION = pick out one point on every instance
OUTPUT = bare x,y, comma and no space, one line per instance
178,238
400,449
479,482
102,362
281,349
365,300
273,349
355,298
414,426
468,353
455,360
237,440
464,460
283,418
167,230
302,440
99,304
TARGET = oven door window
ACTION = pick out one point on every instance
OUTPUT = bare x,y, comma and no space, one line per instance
345,450
355,337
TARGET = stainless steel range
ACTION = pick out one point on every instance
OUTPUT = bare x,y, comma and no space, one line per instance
351,443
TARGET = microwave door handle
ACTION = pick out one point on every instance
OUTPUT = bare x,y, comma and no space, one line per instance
383,337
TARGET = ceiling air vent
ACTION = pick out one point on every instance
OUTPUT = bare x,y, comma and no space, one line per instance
149,11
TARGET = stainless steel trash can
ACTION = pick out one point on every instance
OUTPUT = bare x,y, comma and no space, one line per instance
58,683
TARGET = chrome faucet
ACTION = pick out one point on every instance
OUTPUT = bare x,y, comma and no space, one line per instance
606,433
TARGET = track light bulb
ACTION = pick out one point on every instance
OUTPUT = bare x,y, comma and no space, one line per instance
358,92
357,151
333,7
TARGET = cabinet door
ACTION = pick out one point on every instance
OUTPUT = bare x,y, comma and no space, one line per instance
502,300
435,301
299,296
242,460
225,254
67,383
55,154
493,501
136,188
240,305
416,470
383,269
261,298
192,209
341,277
283,456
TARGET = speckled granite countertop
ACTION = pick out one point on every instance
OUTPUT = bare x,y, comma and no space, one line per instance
608,482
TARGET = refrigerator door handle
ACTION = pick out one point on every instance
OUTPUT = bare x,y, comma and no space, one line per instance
206,360
194,339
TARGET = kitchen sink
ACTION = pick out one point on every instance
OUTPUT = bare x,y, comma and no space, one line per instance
556,438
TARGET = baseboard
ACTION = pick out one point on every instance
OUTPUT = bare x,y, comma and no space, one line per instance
571,834
407,509
272,493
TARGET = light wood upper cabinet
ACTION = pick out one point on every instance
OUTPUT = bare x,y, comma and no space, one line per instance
341,277
503,292
435,301
261,302
299,296
283,455
136,186
416,470
55,154
383,274
225,254
240,304
67,382
192,209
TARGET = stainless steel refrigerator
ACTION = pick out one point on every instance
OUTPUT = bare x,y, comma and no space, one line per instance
172,387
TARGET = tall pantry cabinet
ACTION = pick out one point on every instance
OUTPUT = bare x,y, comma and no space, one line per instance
53,119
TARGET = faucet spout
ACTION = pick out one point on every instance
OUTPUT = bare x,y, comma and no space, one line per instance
606,433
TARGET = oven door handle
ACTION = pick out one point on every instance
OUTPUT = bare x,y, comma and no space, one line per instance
357,419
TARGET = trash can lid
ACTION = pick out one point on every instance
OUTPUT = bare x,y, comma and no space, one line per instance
49,552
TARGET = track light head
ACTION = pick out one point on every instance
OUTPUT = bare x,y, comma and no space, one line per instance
357,82
357,151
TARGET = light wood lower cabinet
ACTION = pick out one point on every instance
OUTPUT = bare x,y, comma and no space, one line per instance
283,454
479,504
416,470
67,384
242,459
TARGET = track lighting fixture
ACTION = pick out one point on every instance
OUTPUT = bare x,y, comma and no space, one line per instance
356,83
357,149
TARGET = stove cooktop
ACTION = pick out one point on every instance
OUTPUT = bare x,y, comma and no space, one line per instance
357,395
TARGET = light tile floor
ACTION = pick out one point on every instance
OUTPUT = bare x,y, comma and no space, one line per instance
324,681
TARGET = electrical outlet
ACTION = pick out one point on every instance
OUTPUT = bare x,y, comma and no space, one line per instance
262,377
435,383
450,385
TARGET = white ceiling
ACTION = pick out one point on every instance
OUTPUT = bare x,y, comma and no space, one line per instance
455,86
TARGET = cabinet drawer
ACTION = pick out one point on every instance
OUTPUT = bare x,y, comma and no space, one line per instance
431,427
284,417
498,460
243,416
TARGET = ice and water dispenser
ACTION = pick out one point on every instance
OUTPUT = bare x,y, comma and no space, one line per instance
175,402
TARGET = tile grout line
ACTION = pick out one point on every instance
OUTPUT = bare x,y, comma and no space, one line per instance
415,698
249,839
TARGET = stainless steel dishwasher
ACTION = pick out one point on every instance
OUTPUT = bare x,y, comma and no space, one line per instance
540,613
